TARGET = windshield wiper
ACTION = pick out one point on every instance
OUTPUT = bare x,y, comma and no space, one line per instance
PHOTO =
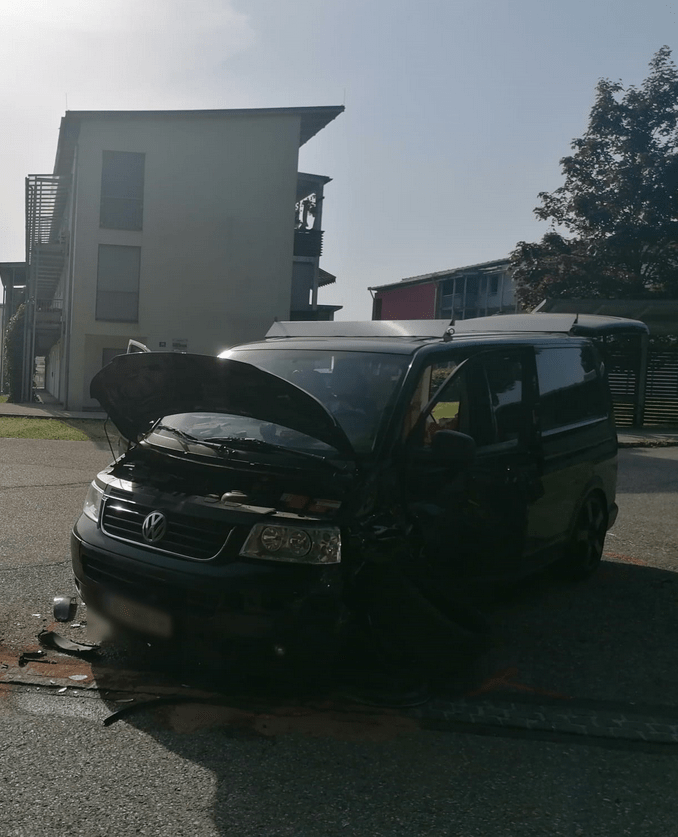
247,443
217,443
181,434
222,444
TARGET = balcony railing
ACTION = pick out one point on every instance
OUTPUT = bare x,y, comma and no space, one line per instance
49,306
308,243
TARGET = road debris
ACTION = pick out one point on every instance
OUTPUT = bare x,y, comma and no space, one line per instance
51,639
27,657
146,704
65,608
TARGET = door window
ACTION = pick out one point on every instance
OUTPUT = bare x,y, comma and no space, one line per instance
505,374
485,399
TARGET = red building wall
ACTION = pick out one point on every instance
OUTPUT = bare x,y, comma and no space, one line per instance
412,302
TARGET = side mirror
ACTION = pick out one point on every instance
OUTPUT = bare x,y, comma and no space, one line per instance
453,448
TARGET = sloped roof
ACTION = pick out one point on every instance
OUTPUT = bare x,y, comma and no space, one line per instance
481,267
313,120
325,278
13,274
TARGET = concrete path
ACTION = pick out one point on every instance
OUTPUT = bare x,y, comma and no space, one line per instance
47,409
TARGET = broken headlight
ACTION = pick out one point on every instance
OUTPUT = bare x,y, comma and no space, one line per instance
296,544
92,503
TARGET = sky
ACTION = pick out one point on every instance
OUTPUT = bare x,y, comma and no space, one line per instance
457,111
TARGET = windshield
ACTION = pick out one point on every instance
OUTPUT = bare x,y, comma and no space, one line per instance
358,388
222,431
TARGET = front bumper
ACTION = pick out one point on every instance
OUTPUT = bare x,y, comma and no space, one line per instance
294,609
612,512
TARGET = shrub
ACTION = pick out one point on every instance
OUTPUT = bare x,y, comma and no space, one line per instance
14,352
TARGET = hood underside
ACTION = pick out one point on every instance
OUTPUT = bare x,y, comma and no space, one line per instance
138,389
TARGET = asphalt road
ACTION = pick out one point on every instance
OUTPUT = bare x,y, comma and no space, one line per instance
564,726
647,529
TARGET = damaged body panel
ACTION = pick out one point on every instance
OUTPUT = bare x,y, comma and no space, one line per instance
137,389
307,492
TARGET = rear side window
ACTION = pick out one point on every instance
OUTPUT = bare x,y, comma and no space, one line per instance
571,386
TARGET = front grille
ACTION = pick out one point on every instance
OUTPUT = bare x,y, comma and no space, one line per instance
197,538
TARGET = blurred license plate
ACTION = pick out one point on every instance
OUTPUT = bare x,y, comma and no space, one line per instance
139,617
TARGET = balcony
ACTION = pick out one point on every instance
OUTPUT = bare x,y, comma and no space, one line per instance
308,243
48,319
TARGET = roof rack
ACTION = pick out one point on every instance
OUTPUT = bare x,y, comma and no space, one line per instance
582,325
358,328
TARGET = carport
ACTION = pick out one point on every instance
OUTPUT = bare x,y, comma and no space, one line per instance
642,369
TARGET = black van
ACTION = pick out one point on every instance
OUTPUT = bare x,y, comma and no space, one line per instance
294,491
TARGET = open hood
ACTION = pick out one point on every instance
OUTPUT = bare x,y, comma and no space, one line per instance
138,389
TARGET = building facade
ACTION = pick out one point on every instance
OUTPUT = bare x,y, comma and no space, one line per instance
172,228
478,290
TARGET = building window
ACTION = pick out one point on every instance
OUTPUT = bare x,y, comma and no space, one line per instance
122,190
447,287
118,283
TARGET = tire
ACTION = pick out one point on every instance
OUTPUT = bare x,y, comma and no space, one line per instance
585,549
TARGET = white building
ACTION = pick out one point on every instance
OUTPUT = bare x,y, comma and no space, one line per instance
174,228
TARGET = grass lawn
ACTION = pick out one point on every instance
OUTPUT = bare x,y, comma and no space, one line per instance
3,399
74,430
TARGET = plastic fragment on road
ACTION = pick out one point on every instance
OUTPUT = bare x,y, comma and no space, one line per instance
146,704
78,676
64,608
51,639
27,657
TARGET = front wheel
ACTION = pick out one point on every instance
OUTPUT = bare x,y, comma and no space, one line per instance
585,548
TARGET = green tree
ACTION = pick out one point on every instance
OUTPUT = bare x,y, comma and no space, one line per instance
614,222
14,346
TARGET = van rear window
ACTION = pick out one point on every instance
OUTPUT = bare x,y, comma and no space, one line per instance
570,385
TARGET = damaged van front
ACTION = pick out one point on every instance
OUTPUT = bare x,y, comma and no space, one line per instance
351,485
236,509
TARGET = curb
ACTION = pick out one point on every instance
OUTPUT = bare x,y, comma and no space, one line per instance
592,721
648,443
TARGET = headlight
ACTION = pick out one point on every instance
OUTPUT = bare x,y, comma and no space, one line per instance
93,500
307,545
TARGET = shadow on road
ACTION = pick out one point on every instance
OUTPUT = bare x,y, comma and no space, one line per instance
612,638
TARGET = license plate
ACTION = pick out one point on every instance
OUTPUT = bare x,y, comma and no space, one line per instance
140,617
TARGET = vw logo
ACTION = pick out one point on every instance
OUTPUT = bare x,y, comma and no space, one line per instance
154,527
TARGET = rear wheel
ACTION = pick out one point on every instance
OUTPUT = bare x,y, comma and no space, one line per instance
585,549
